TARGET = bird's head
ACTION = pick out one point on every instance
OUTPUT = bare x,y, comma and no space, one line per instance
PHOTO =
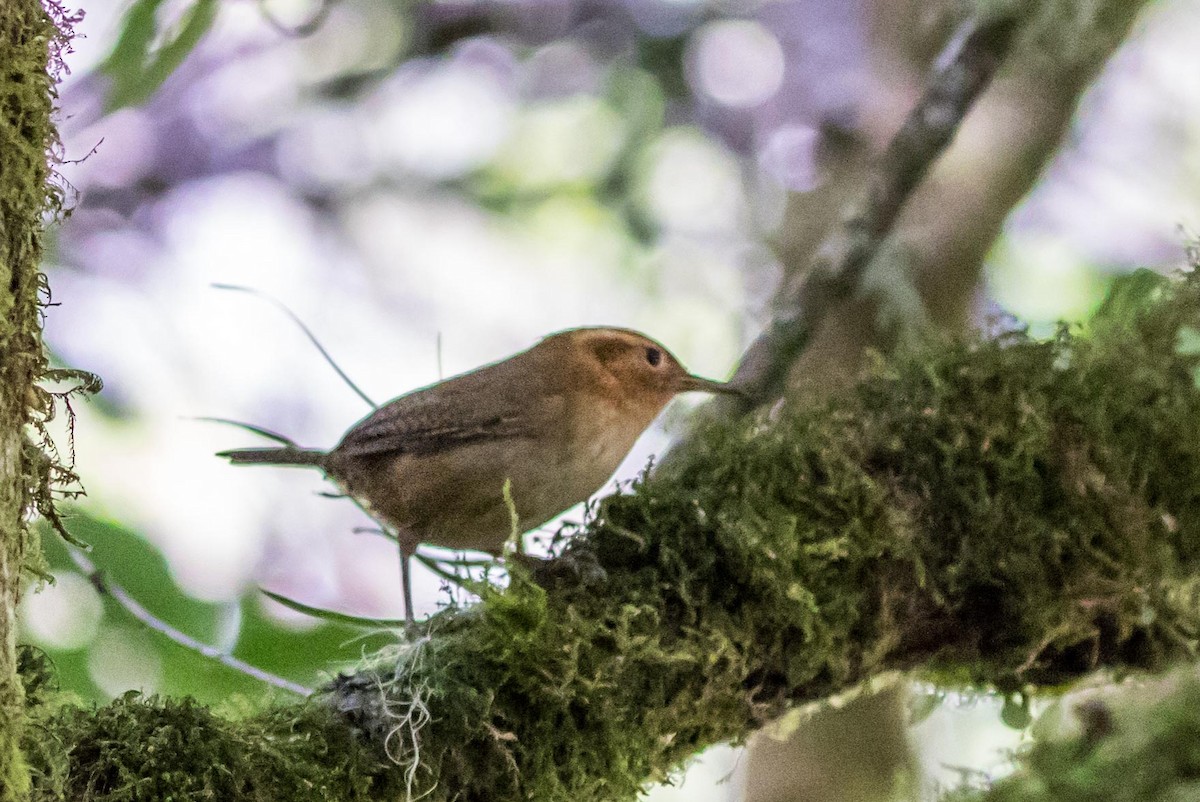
628,367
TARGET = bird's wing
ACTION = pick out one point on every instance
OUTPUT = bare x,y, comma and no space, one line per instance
444,416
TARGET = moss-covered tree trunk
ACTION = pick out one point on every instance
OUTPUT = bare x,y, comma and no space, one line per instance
27,34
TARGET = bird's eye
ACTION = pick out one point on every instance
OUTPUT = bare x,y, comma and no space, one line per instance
653,356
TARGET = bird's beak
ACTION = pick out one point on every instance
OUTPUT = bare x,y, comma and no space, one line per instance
689,384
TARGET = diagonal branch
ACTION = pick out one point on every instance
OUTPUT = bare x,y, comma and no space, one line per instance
135,608
839,265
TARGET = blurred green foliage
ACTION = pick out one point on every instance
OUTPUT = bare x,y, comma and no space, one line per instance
1135,743
145,54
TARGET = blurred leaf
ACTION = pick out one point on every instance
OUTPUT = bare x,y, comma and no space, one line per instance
664,59
1015,712
302,655
922,705
136,68
133,44
129,560
1130,294
133,563
639,98
1188,343
333,615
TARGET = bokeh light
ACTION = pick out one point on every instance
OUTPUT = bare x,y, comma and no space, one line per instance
738,63
123,659
65,614
692,184
438,120
789,157
570,141
1042,280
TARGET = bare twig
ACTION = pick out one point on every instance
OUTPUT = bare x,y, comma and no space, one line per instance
250,427
307,332
306,28
840,263
135,609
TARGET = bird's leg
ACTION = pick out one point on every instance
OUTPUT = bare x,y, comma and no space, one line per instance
408,546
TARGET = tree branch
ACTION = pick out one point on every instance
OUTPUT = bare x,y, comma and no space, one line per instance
837,269
135,608
999,513
931,259
30,42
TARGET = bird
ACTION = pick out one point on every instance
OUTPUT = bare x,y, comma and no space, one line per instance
532,435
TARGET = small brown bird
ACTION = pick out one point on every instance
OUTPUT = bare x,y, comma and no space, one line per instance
551,423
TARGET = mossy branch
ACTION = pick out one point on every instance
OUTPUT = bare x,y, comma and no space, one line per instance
33,35
1011,513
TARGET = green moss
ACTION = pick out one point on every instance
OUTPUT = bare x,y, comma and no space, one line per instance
162,750
1007,513
150,749
1012,512
30,38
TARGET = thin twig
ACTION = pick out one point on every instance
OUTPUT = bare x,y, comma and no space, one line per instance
250,427
439,356
135,609
308,333
86,156
306,28
386,531
838,268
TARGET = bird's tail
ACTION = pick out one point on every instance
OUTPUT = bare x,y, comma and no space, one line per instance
274,456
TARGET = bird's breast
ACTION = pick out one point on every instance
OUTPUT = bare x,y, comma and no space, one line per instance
602,438
455,498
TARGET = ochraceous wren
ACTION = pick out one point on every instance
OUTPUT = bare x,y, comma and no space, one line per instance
551,424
